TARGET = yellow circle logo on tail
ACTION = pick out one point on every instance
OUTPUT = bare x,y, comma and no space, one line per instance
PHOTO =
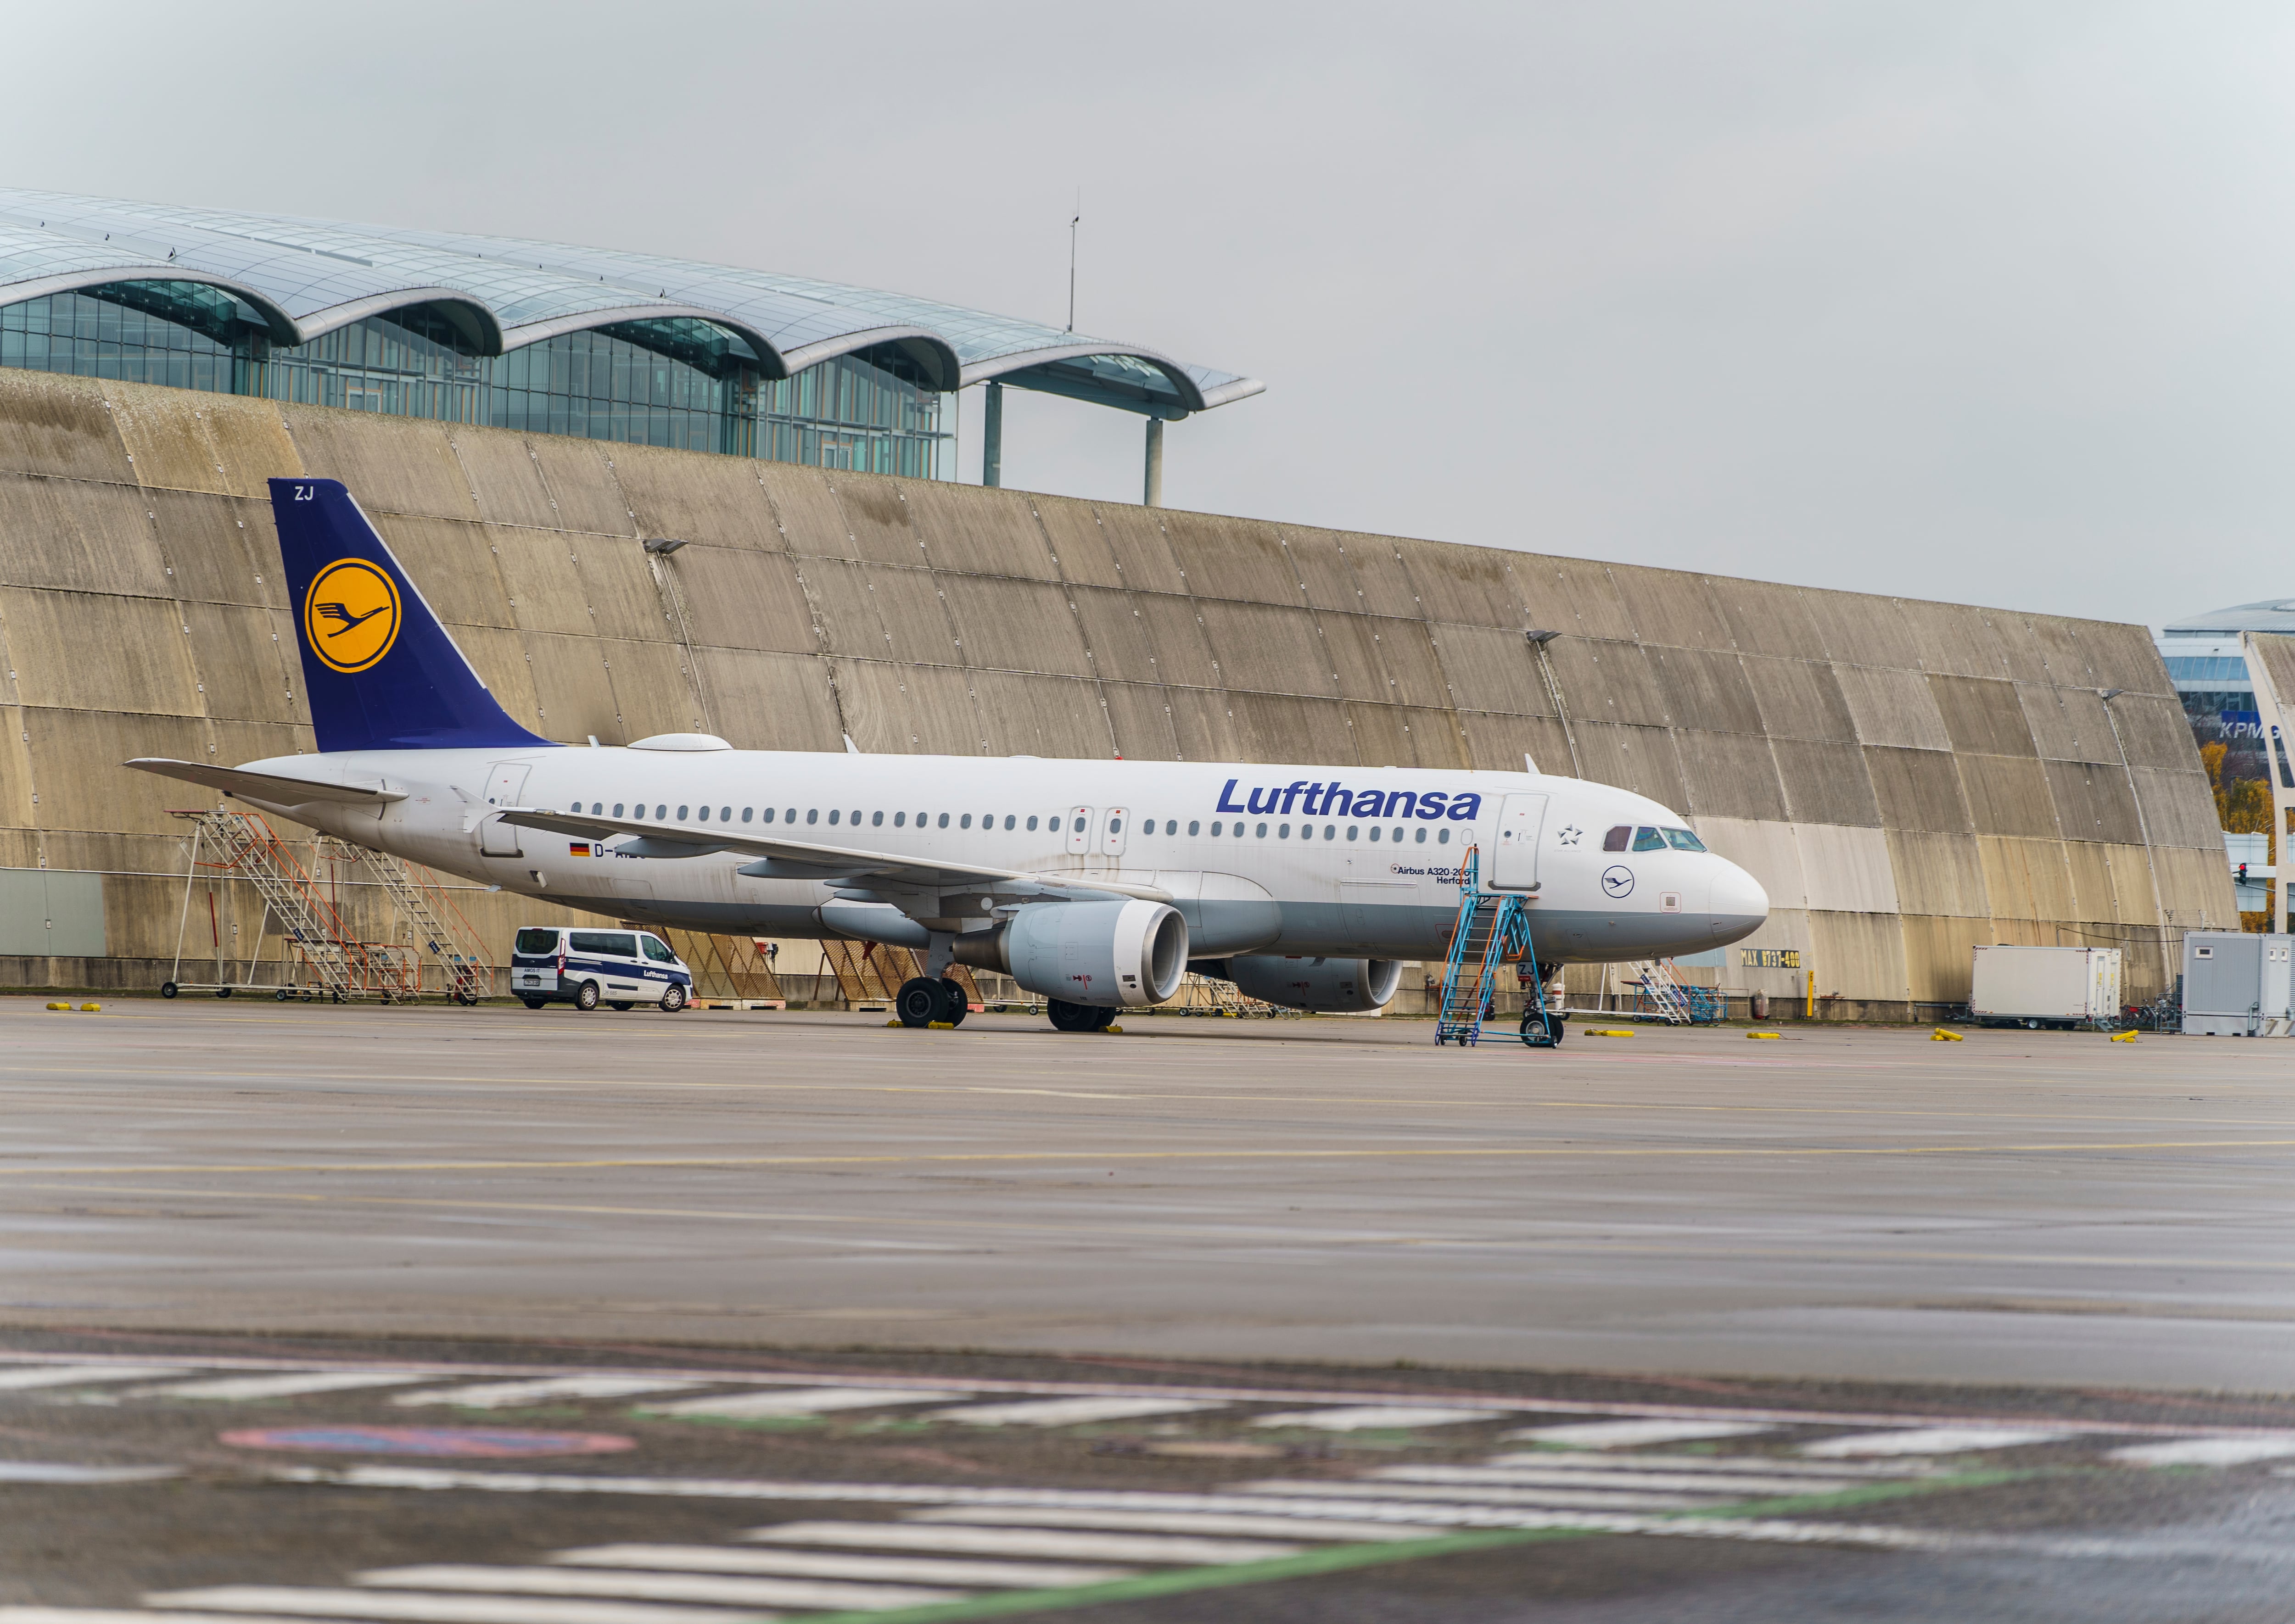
350,615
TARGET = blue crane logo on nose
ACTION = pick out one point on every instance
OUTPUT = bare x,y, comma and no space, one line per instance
1618,880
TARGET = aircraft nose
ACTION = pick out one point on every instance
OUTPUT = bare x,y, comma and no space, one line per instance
1739,905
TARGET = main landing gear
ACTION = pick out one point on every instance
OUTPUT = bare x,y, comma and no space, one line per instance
1078,1017
923,1000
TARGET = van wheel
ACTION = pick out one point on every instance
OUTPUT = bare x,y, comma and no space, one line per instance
621,1007
586,997
531,1003
674,1000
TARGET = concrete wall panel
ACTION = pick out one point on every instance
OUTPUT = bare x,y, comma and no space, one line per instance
1183,655
1382,583
1142,556
540,576
2094,801
1918,789
1671,607
1983,716
1770,853
391,464
1940,957
912,607
1766,618
1639,759
626,600
763,701
223,551
2123,657
499,657
2066,724
242,658
844,608
573,693
2179,809
1115,635
907,709
17,786
1439,736
2135,900
452,564
165,432
2094,899
1938,874
1413,663
86,538
2007,795
1139,722
60,426
2154,732
1497,742
1231,558
1891,707
1470,585
1267,648
1707,690
1326,578
983,533
2199,887
1730,775
1954,638
2026,879
1825,783
1799,700
719,499
140,660
653,688
1867,630
1279,727
743,597
879,527
1078,544
504,472
1047,716
76,758
1015,625
1352,656
1203,725
805,509
1848,870
1607,682
1584,599
1859,956
1487,668
578,477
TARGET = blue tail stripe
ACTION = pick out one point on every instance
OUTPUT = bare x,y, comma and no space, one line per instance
391,678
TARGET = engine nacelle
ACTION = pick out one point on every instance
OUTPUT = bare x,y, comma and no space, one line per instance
1335,986
1108,954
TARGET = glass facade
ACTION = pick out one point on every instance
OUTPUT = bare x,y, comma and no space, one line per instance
681,382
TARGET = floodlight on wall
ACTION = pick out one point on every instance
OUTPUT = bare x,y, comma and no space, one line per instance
657,543
1539,639
2109,694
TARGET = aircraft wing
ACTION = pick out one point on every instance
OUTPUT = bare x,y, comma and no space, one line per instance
805,860
270,787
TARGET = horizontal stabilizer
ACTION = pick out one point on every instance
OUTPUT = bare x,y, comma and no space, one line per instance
802,859
271,786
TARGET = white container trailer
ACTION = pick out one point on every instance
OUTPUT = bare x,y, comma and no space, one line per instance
2045,986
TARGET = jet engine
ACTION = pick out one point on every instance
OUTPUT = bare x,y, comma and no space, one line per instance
1108,954
1335,986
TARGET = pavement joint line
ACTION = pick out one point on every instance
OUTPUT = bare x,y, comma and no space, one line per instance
935,1158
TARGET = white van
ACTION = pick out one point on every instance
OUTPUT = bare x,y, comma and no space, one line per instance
567,964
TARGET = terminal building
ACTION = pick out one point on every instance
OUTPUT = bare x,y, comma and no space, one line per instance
650,524
2205,662
544,338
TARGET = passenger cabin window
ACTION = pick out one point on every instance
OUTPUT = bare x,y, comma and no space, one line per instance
1008,821
705,813
944,820
769,814
656,950
1032,823
832,814
724,814
812,814
748,813
661,814
1194,827
1422,836
1615,840
1053,826
611,944
1682,840
531,943
965,821
680,814
877,819
617,808
900,819
1649,840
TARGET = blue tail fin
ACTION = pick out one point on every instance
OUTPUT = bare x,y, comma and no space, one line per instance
382,672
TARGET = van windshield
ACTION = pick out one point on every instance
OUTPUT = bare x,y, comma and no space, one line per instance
531,940
611,944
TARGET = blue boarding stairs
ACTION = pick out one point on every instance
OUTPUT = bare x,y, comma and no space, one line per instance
1492,931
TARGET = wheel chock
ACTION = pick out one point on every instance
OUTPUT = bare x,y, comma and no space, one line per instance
65,1007
1941,1036
1764,1034
2123,1037
1113,1031
893,1023
937,1025
1607,1031
91,1009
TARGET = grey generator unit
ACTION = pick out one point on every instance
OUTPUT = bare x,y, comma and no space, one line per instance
2045,986
2236,985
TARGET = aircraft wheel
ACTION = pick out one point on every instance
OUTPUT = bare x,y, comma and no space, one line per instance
586,997
1072,1018
223,992
168,988
921,1002
674,1000
959,1006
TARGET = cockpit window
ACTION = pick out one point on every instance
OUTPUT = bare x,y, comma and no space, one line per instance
1682,840
1647,839
1615,840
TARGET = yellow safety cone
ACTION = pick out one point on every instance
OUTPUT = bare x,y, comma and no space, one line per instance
1941,1036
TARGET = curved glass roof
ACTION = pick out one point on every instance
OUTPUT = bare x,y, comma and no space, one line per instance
301,277
2272,614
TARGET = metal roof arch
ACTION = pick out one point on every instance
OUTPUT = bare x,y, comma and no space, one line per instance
1190,395
280,325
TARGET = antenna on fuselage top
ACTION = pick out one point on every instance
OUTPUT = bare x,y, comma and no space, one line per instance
850,748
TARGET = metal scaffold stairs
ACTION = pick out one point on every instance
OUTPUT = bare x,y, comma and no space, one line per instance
242,844
1492,929
439,929
1666,997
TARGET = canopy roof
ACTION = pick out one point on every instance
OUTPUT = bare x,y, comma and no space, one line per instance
2272,614
299,278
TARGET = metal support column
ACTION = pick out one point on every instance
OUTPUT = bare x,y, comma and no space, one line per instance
1154,496
991,437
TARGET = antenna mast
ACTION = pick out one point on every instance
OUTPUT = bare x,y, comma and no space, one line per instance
1071,257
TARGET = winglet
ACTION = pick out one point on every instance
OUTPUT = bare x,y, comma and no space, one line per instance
382,674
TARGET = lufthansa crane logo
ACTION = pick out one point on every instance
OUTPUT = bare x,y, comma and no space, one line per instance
350,615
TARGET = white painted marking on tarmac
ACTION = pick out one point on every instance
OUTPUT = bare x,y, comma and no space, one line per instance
314,1602
1023,1542
83,1375
1930,1440
1633,1434
240,1389
705,1589
50,1472
1169,1523
1492,1494
1070,1412
839,1564
798,1401
1734,1485
2206,1451
1542,1460
1365,1418
508,1395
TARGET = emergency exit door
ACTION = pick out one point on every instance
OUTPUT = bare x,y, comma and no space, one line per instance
1513,864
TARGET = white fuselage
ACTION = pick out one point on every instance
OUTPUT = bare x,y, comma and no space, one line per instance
1252,855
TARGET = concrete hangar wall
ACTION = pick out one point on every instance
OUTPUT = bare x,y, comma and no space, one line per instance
1908,779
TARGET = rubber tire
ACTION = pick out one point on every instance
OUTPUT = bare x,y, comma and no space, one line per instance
623,1009
283,994
532,1003
959,1006
920,1001
1073,1018
223,992
674,998
586,997
466,995
168,988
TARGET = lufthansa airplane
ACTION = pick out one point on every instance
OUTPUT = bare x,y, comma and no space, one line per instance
1094,884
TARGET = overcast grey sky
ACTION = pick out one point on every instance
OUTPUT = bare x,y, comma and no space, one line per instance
1984,301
